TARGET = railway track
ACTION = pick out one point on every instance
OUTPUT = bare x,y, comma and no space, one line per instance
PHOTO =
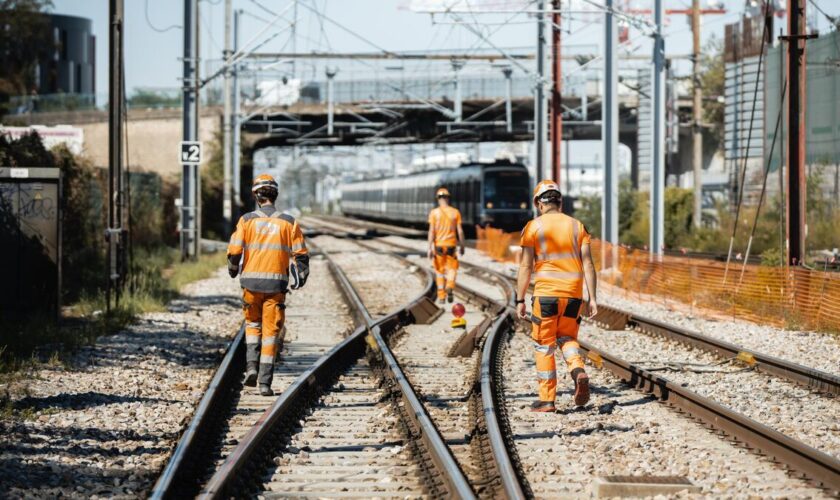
822,469
328,433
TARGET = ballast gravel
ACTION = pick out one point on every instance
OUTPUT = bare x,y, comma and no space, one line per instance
793,410
105,426
624,432
817,350
384,282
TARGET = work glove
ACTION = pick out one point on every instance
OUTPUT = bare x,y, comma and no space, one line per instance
233,271
297,276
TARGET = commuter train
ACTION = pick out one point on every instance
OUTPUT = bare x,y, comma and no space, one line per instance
487,194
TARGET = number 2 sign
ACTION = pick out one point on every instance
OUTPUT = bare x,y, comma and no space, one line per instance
190,152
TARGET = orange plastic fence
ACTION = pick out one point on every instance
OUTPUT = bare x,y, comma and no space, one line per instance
792,297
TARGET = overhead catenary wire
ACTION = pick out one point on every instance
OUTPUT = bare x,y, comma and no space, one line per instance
764,36
155,28
763,184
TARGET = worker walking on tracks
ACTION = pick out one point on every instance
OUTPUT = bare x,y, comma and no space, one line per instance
269,248
445,233
555,248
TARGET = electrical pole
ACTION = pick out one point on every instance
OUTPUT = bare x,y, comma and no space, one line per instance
507,71
697,131
539,98
796,223
556,95
330,73
189,188
609,134
657,171
459,105
114,233
227,209
237,133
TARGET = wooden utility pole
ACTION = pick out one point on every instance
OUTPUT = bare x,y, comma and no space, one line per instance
556,94
697,131
796,223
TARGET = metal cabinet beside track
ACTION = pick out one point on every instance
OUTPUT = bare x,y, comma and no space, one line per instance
30,231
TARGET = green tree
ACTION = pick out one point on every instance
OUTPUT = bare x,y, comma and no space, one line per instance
589,212
23,29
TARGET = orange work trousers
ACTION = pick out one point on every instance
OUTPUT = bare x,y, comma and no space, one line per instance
446,268
265,314
555,323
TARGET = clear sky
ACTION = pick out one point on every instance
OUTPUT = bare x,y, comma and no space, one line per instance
152,57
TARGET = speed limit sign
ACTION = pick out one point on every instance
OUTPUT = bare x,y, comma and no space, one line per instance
190,152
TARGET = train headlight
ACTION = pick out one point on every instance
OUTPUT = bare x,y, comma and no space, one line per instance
523,205
489,204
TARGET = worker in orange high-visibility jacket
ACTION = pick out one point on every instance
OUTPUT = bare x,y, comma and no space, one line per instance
268,252
445,233
555,249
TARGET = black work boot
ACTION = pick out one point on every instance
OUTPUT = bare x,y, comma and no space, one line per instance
265,390
450,296
543,406
251,374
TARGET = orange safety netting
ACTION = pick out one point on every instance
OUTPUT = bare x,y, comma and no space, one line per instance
793,297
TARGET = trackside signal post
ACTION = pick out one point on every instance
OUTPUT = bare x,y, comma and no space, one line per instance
114,234
189,168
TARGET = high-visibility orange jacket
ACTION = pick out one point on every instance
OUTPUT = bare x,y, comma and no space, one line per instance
445,222
557,240
265,240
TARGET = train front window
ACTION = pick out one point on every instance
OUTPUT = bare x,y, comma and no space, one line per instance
506,189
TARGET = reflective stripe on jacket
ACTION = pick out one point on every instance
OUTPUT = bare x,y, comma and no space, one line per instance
557,240
445,222
264,241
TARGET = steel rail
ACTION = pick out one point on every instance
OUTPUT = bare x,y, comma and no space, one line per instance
178,478
819,467
617,319
504,457
239,467
614,318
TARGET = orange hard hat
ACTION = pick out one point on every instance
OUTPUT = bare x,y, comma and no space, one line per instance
545,187
264,181
442,192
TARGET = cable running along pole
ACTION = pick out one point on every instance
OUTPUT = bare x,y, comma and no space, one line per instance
764,37
763,185
115,157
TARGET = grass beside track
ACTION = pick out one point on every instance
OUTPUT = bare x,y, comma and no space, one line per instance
156,278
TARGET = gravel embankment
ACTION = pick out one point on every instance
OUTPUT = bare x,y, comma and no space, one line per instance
105,426
624,432
384,283
813,349
788,408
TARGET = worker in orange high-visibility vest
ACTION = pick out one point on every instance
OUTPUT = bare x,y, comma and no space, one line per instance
269,248
445,233
555,249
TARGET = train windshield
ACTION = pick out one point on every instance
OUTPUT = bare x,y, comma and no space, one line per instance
506,189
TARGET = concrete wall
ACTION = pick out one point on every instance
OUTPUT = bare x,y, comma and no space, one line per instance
153,144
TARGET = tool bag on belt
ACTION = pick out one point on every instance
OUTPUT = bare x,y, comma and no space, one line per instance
445,251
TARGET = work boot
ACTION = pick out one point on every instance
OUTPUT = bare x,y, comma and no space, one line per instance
450,296
265,390
581,387
441,300
543,407
250,379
